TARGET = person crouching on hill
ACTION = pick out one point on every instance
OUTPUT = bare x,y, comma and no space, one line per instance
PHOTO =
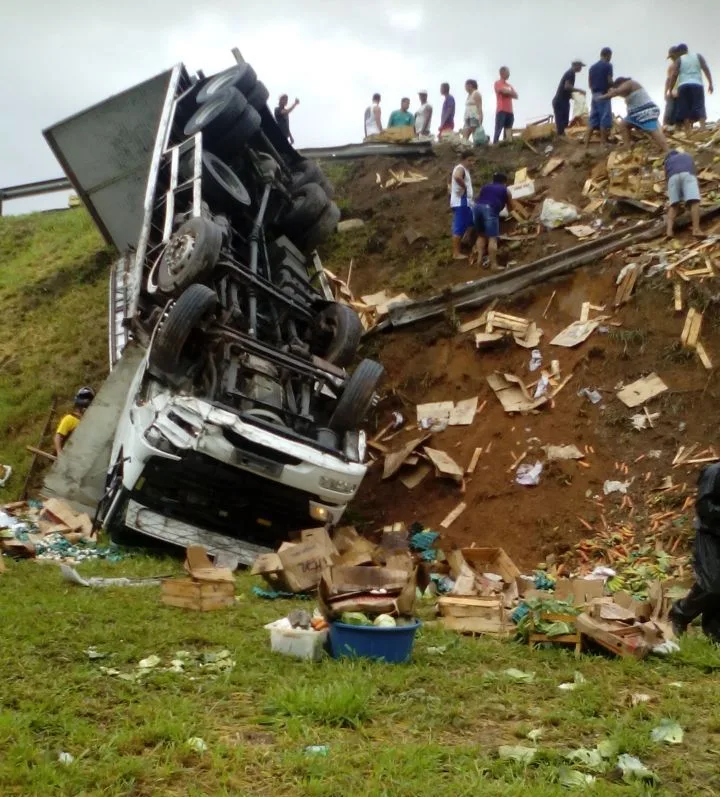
642,113
491,201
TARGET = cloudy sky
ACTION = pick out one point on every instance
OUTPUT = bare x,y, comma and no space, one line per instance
58,59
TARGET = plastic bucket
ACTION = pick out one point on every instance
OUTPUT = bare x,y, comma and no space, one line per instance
392,645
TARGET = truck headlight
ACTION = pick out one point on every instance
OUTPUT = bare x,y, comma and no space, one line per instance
337,485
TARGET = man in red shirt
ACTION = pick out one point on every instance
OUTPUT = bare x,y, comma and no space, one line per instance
504,117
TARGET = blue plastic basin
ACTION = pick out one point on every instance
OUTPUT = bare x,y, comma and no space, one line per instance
392,645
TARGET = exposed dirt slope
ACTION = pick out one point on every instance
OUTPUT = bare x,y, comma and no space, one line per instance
432,362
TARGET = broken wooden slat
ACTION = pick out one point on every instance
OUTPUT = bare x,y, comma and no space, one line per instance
677,294
474,461
626,287
702,354
454,515
691,329
585,311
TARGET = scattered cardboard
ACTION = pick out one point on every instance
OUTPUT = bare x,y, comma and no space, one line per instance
395,459
444,464
464,411
199,567
414,477
522,190
512,393
575,334
581,230
632,641
439,410
642,390
563,452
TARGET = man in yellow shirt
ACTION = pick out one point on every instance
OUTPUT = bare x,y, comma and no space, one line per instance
69,422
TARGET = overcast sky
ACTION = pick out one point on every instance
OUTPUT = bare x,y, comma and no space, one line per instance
60,58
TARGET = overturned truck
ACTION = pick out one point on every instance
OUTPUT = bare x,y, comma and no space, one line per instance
240,420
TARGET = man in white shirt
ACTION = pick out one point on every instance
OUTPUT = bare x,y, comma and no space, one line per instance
373,117
423,115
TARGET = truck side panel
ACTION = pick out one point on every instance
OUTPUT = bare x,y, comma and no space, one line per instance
107,151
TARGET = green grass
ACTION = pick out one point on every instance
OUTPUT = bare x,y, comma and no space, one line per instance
53,332
430,727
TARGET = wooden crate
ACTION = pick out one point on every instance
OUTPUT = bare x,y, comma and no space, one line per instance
470,615
201,596
563,639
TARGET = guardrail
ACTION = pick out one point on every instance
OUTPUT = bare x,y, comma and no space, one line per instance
34,189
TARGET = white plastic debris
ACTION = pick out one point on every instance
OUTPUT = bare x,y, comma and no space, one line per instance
542,386
666,648
65,758
602,573
633,768
591,395
517,753
535,360
643,420
611,486
92,653
6,472
72,575
556,214
529,475
519,675
398,419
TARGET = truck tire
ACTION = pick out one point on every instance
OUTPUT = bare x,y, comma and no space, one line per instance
221,187
259,96
241,77
308,204
191,254
308,171
336,334
192,311
217,117
323,228
357,397
248,124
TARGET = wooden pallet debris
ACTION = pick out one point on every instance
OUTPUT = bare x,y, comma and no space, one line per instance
626,286
691,329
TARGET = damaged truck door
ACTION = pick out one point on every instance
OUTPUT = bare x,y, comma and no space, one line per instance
241,418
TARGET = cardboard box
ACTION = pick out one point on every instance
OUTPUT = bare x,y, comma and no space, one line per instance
579,591
480,615
371,590
297,567
634,641
200,568
201,596
492,560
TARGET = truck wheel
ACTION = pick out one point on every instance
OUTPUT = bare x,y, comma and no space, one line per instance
259,96
218,116
221,187
192,311
191,253
336,334
245,128
308,171
357,397
308,204
241,77
323,228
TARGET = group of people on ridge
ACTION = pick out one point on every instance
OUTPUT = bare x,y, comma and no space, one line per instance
472,120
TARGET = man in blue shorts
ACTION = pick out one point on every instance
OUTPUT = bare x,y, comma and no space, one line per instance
687,75
461,196
600,78
682,186
490,202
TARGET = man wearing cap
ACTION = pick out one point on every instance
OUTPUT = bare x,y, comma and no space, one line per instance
423,115
563,96
600,78
687,74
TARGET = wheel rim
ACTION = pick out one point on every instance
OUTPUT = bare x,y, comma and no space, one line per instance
178,252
